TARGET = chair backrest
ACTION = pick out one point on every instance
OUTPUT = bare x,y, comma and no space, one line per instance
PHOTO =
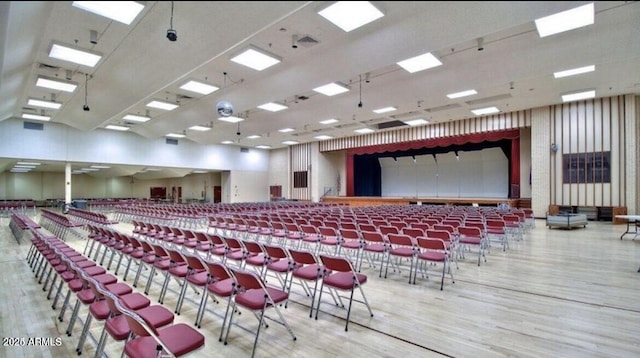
388,229
438,234
175,256
469,231
277,252
413,232
400,240
218,270
327,231
194,262
308,229
421,225
429,243
367,227
336,263
444,227
247,280
373,236
254,247
303,257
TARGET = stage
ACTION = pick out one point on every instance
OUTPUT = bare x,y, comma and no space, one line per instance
378,200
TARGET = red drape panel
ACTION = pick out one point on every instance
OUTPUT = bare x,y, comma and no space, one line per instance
350,185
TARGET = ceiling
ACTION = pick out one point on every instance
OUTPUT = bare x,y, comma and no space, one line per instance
139,64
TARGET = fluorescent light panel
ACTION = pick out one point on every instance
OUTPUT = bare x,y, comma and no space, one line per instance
350,15
323,137
255,58
272,107
419,63
289,142
462,94
416,122
175,135
487,110
578,96
574,71
364,130
329,121
231,119
74,54
28,163
162,105
331,89
255,136
384,110
263,146
66,86
35,117
100,167
121,11
227,142
200,128
565,21
199,87
44,104
117,128
286,130
24,166
136,118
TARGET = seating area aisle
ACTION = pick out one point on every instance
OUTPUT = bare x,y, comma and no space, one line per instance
552,293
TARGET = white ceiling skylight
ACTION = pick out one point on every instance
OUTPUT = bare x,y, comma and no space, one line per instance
565,20
162,105
419,63
256,58
44,104
462,94
487,110
60,85
199,87
349,15
121,11
574,71
74,54
332,89
576,96
273,107
136,118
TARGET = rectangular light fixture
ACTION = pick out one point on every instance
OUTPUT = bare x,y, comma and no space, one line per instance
231,119
323,137
199,172
36,117
19,170
384,110
364,130
199,87
565,20
574,71
462,94
60,85
255,58
100,167
349,15
286,130
117,128
289,142
419,63
332,89
487,110
273,107
263,146
28,163
175,135
254,136
24,166
162,105
329,121
416,122
136,118
200,128
44,104
227,142
121,11
74,54
569,97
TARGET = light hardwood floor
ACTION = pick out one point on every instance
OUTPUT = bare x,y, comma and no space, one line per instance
557,293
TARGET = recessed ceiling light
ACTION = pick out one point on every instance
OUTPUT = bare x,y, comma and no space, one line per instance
255,136
419,63
487,110
121,11
329,121
136,118
416,122
349,15
574,71
162,105
364,130
578,96
44,104
175,135
565,20
286,130
256,58
323,137
24,166
332,89
200,128
28,163
117,128
74,54
384,110
231,119
35,117
263,146
462,94
199,87
66,86
289,142
100,166
273,107
227,142
199,171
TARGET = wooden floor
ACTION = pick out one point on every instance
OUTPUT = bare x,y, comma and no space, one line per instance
557,293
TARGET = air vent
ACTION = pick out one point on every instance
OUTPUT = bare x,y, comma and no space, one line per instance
489,99
244,150
442,108
307,41
33,126
171,141
50,67
391,124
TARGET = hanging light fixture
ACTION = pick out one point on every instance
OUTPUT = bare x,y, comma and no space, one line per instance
86,92
225,108
172,34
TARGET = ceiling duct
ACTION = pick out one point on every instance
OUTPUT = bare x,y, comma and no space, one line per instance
307,41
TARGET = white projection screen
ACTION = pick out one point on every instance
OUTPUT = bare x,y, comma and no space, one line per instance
476,174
